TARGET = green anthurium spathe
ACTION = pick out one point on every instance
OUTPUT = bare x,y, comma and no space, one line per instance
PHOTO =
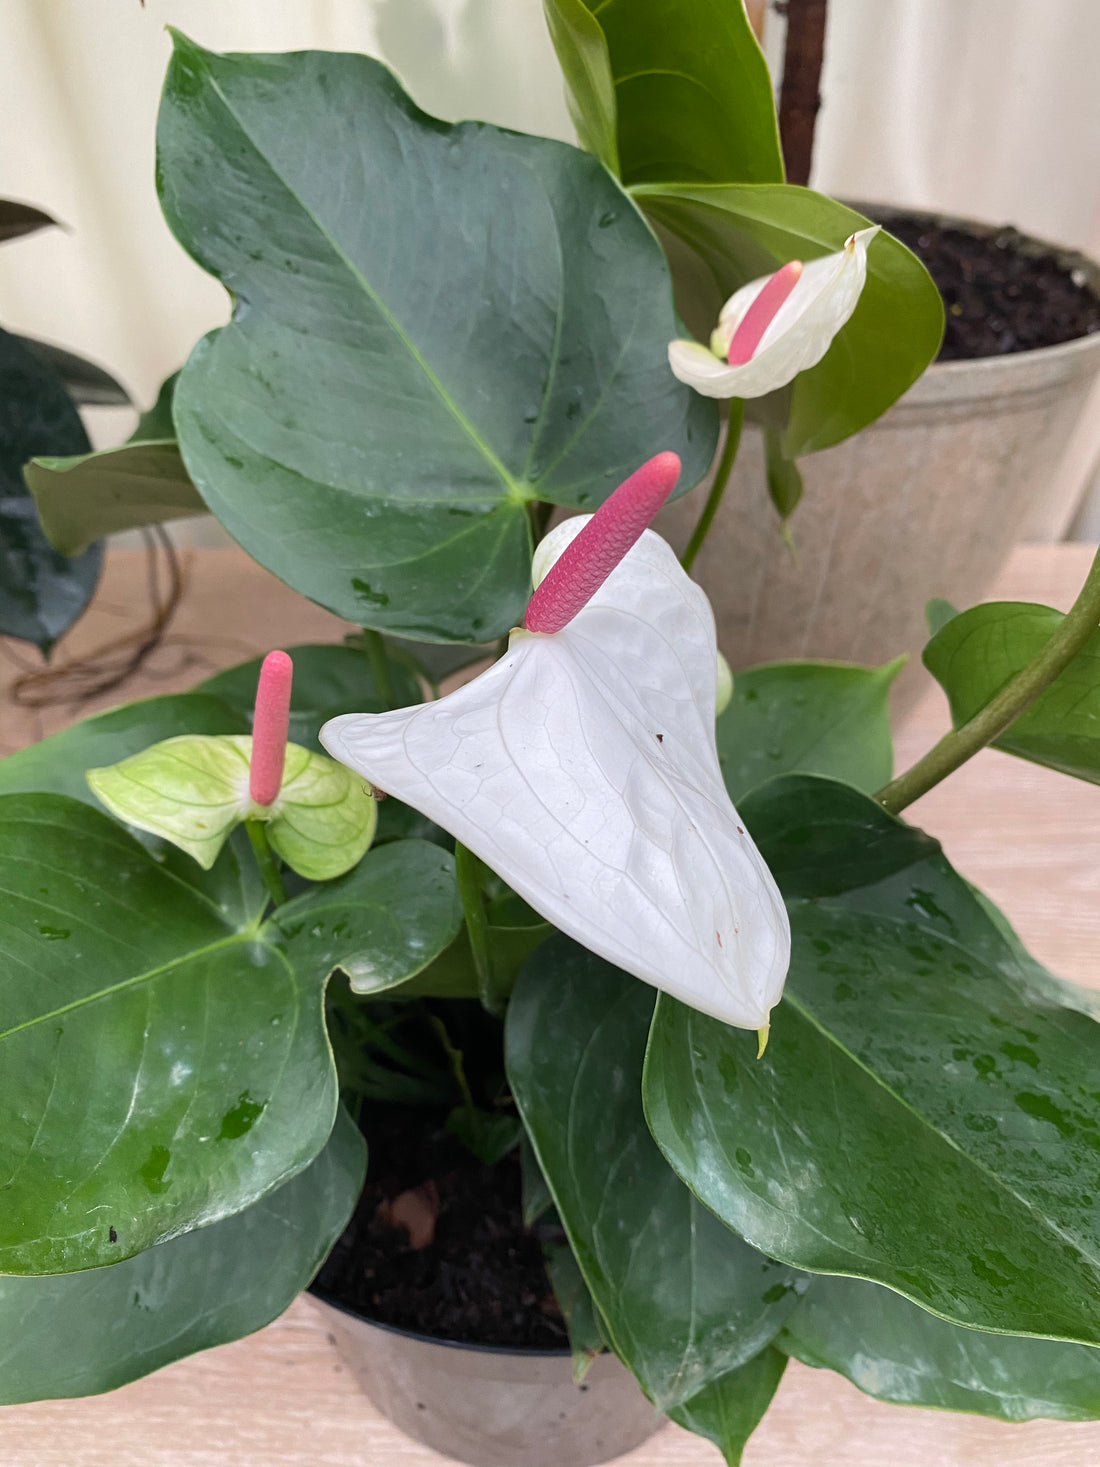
194,790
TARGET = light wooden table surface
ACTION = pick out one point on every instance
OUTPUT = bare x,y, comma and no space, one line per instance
281,1398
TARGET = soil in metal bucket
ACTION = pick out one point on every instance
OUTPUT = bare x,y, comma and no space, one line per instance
438,1243
1001,294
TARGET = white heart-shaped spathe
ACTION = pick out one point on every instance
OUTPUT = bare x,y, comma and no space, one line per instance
582,768
798,336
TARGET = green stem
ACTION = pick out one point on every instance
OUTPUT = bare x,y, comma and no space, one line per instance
955,748
265,860
380,667
718,488
477,928
458,1069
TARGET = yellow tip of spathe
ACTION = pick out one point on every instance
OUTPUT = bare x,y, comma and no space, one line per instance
762,1036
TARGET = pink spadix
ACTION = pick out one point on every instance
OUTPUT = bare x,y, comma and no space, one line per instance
587,561
269,728
762,313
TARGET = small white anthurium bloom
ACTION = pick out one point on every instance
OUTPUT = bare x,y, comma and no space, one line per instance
582,766
777,326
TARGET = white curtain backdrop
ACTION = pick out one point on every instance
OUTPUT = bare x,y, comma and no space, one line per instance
985,108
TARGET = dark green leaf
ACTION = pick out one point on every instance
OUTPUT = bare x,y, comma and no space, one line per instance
79,1334
577,1306
41,592
684,1300
729,1411
730,234
808,718
897,1352
821,838
536,1194
162,1066
434,326
19,219
680,84
87,384
978,651
926,1114
783,476
381,923
489,1136
142,482
328,680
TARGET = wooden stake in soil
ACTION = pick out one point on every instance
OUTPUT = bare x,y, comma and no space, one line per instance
800,96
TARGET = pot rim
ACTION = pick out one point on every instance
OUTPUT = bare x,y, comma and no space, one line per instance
565,1353
1069,259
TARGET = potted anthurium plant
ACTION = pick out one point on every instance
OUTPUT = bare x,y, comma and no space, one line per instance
646,1076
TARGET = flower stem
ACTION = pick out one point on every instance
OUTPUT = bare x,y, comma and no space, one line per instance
718,488
955,748
477,928
380,667
265,860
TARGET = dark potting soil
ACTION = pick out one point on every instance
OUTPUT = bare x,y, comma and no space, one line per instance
998,296
480,1280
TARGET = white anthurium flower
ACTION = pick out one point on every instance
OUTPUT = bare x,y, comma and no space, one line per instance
582,766
777,326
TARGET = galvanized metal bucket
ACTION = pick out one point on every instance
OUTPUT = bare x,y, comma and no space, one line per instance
494,1407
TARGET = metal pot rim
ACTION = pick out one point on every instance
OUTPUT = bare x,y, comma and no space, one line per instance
411,1334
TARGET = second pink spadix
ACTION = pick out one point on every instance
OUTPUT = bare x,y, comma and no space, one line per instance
614,529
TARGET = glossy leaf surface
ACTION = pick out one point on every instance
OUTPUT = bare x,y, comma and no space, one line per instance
896,1352
973,655
433,326
821,838
161,1066
919,1058
79,1334
729,1411
681,86
809,718
721,236
683,1298
41,591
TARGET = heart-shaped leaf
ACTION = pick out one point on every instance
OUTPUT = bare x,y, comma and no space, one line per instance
193,791
808,718
892,1350
974,654
81,1333
160,1063
926,1114
669,89
433,327
683,1298
41,592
